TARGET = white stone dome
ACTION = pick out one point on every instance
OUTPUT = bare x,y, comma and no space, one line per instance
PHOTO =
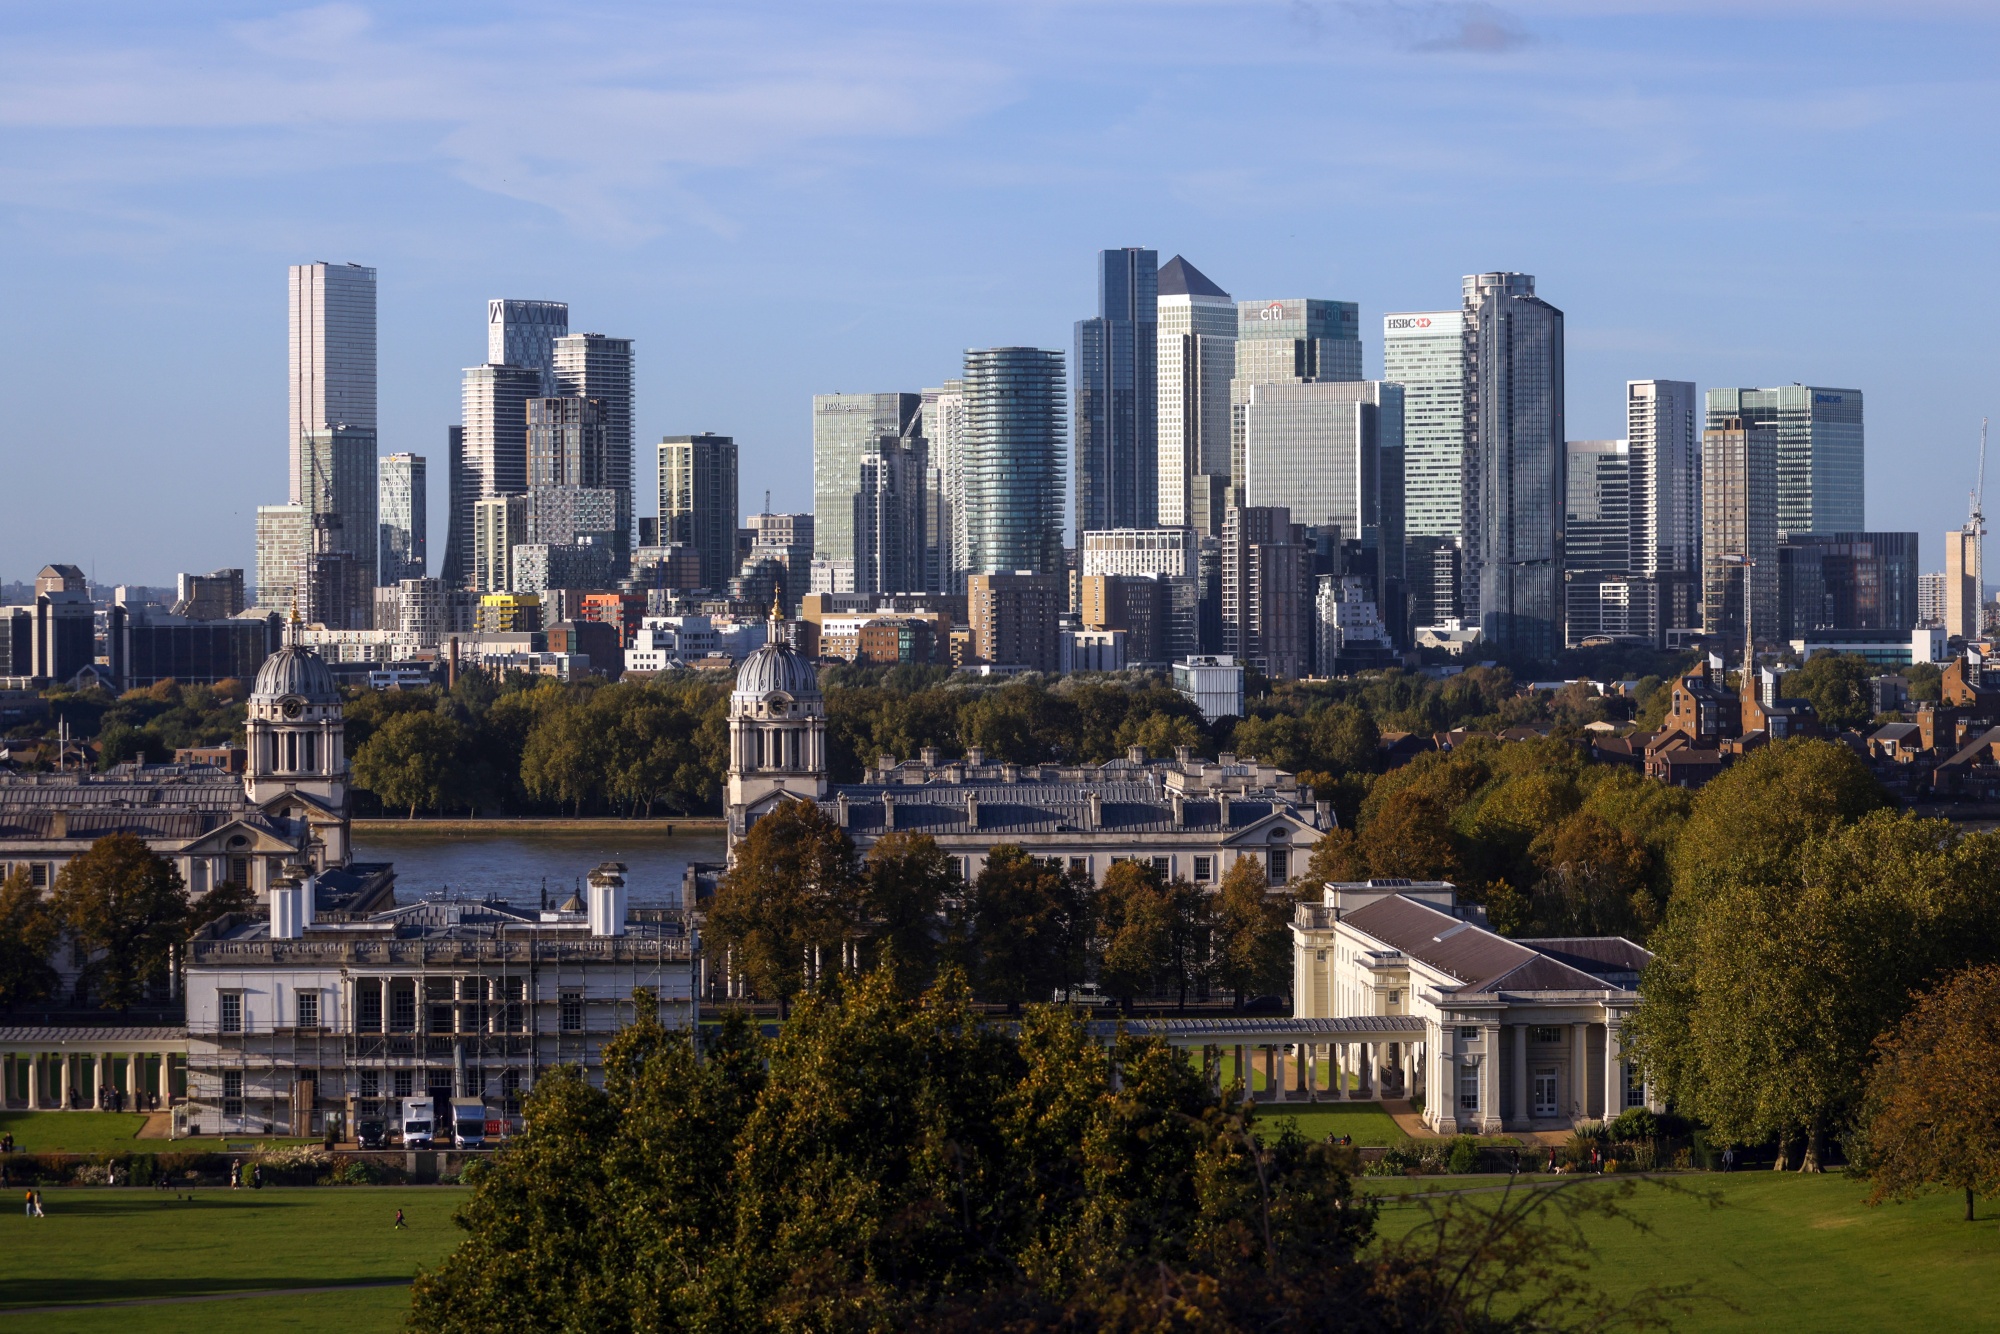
296,672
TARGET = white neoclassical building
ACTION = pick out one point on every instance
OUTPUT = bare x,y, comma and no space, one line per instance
1504,1035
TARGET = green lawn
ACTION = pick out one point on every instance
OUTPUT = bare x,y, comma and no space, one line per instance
111,1132
1784,1252
1366,1121
100,1245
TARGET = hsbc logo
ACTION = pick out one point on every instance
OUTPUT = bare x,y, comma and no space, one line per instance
1414,322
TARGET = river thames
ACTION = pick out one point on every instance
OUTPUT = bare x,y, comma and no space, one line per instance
516,866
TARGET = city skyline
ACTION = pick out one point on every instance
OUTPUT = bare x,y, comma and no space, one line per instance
687,250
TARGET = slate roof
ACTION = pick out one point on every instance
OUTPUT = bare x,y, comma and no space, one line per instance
1035,807
96,1033
1180,278
1483,961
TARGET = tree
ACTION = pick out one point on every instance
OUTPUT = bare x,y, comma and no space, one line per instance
1931,1113
1766,993
904,887
1252,950
1190,937
1595,881
413,760
791,898
1030,928
564,759
28,931
1412,837
1749,822
1135,931
1837,686
126,906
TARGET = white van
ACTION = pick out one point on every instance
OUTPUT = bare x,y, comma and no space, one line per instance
417,1122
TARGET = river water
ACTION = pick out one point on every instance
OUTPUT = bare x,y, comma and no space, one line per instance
515,867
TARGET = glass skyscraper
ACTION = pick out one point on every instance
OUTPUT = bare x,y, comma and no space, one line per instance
698,502
332,357
847,427
1739,528
524,333
1599,526
1013,460
1197,359
402,519
590,365
1665,506
1288,342
1117,396
1819,451
1316,450
493,456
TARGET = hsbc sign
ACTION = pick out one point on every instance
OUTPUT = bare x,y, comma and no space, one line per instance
1437,322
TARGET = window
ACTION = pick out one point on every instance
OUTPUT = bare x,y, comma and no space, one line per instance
438,1016
1545,1033
510,1091
1204,870
232,1093
38,874
371,1083
403,1006
308,1009
1468,1088
1281,861
1163,865
232,1013
1635,1085
1079,866
572,1012
1468,1035
239,871
368,1005
405,1083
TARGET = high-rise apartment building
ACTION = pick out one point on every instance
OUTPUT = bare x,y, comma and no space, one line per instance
284,541
1425,352
215,596
499,524
493,456
524,333
698,501
1599,523
1013,460
1517,458
1196,361
891,510
1665,506
457,568
1014,617
1818,434
845,428
1739,529
1266,571
566,444
1963,576
590,365
403,520
1930,595
339,490
944,487
1288,342
1117,395
332,358
1169,551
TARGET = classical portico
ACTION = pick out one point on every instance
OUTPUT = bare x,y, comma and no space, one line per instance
75,1066
1518,1035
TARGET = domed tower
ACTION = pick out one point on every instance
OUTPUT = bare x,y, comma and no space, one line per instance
295,735
777,733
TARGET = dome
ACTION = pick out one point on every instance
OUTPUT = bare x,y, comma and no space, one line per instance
296,671
777,667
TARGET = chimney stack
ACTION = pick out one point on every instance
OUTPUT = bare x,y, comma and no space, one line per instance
606,903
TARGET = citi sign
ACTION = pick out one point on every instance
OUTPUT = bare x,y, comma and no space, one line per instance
1415,322
1274,311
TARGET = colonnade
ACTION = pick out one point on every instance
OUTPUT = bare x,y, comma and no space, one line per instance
76,1080
1346,1071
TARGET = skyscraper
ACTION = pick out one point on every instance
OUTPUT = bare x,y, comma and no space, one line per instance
1197,359
944,489
591,365
890,511
1664,508
1518,457
1265,591
457,569
1739,528
566,445
284,541
494,456
338,490
1962,578
332,357
403,520
1316,450
1818,434
1846,581
1424,351
1597,543
524,333
1013,456
846,427
1288,342
698,502
1117,395
500,523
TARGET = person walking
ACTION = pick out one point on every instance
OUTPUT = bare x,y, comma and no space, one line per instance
35,1198
1728,1158
236,1174
27,1204
399,1220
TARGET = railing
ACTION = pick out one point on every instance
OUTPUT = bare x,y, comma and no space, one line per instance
601,949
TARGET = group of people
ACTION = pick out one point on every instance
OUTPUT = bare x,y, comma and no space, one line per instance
34,1204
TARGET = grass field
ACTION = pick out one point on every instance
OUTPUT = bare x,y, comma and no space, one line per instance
100,1245
1781,1252
109,1132
1366,1121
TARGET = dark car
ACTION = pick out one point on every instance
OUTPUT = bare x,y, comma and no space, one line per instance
1264,1005
371,1135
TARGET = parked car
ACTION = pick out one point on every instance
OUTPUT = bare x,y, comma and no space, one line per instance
1087,994
1264,1005
371,1135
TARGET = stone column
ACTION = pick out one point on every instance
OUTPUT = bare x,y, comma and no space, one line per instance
1614,1069
62,1088
166,1079
1521,1076
1273,1090
1579,1079
1309,1068
34,1081
1490,1118
104,1082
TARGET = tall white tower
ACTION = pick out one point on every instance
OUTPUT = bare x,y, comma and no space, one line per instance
777,733
296,737
332,360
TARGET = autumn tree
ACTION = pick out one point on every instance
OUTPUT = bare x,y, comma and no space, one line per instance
1252,949
1838,687
1931,1112
413,760
904,887
1030,927
128,909
1411,836
1750,821
791,898
1134,929
28,931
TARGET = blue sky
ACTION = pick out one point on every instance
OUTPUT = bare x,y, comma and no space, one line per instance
777,200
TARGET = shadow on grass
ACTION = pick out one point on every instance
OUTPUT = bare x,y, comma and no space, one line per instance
84,1292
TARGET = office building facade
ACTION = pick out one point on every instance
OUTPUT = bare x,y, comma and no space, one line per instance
1265,591
1117,395
593,366
456,569
1169,551
493,454
1739,529
1425,353
1598,542
1013,460
1846,581
214,596
1661,423
1962,589
524,333
1316,450
332,360
1820,451
403,519
1195,362
845,428
284,540
1288,342
1930,592
944,489
891,510
500,523
339,491
698,501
